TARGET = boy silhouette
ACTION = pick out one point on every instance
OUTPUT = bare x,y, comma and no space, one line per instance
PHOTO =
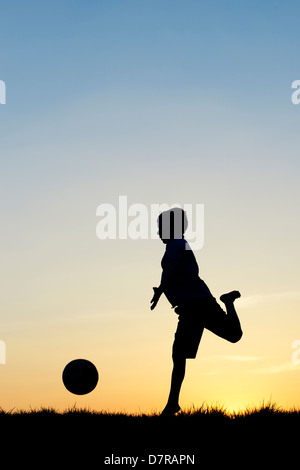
193,302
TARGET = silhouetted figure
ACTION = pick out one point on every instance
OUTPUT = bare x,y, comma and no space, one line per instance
193,302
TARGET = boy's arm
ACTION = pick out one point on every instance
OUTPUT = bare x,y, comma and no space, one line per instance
173,257
166,278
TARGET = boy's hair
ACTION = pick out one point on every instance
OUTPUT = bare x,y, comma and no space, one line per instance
172,223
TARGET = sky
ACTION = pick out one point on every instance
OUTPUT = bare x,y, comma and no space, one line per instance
164,102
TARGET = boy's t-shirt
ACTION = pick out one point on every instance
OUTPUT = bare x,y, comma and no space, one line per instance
185,283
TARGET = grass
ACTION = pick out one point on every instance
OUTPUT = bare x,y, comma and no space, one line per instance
259,434
269,409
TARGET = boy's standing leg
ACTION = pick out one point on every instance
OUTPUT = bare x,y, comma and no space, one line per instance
178,374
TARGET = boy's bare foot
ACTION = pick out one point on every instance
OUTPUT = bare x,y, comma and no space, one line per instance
230,297
170,410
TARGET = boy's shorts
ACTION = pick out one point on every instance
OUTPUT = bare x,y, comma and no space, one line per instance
194,316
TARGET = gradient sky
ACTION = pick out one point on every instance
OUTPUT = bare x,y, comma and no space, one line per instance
164,101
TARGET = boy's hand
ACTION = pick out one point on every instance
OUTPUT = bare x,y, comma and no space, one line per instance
155,298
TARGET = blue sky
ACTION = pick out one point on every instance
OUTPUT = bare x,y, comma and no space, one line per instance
118,97
57,51
208,62
162,101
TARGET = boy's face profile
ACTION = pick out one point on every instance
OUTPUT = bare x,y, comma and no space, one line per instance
159,232
164,228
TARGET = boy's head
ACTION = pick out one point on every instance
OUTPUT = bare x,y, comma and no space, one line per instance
172,224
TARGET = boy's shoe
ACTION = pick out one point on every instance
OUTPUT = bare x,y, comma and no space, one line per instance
170,410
